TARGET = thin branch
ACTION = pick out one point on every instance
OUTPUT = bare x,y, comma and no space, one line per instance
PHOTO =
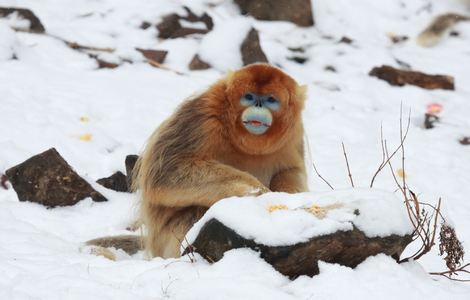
313,164
402,141
449,273
391,168
321,177
156,64
347,164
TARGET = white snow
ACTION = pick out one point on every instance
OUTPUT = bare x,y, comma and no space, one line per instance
9,42
46,91
380,214
221,47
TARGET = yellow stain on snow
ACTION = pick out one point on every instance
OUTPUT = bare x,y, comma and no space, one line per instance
321,211
315,209
84,119
275,207
401,173
86,137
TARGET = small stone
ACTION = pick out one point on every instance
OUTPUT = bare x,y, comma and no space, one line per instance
465,141
145,25
4,181
346,40
102,64
298,59
198,64
170,27
330,68
153,55
116,182
430,120
130,162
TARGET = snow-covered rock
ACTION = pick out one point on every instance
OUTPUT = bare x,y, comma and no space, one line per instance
294,232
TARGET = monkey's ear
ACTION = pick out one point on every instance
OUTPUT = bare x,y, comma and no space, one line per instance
301,93
230,74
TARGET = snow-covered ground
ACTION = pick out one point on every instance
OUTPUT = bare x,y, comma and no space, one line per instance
53,96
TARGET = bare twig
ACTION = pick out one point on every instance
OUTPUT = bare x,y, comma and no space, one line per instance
156,64
347,164
313,164
189,250
448,274
321,177
402,141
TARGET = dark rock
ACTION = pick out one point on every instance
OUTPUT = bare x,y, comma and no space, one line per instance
330,68
348,248
204,18
130,162
102,64
430,120
35,24
198,64
4,181
465,141
298,59
346,40
145,25
170,26
251,49
296,11
116,182
47,179
153,55
398,39
297,49
398,77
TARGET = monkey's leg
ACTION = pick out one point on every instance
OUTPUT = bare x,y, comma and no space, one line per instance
202,183
173,207
291,180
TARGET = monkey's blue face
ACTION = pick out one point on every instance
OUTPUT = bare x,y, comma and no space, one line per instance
257,117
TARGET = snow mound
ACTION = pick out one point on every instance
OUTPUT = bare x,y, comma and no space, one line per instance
9,42
278,219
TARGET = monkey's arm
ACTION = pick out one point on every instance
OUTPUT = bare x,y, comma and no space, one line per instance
202,183
292,180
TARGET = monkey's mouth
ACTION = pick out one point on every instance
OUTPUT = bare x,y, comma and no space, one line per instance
256,120
256,123
256,126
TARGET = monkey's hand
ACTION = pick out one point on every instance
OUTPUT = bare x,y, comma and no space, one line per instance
202,183
258,191
292,180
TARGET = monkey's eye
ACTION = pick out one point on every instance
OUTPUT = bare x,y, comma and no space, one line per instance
272,103
271,99
247,99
